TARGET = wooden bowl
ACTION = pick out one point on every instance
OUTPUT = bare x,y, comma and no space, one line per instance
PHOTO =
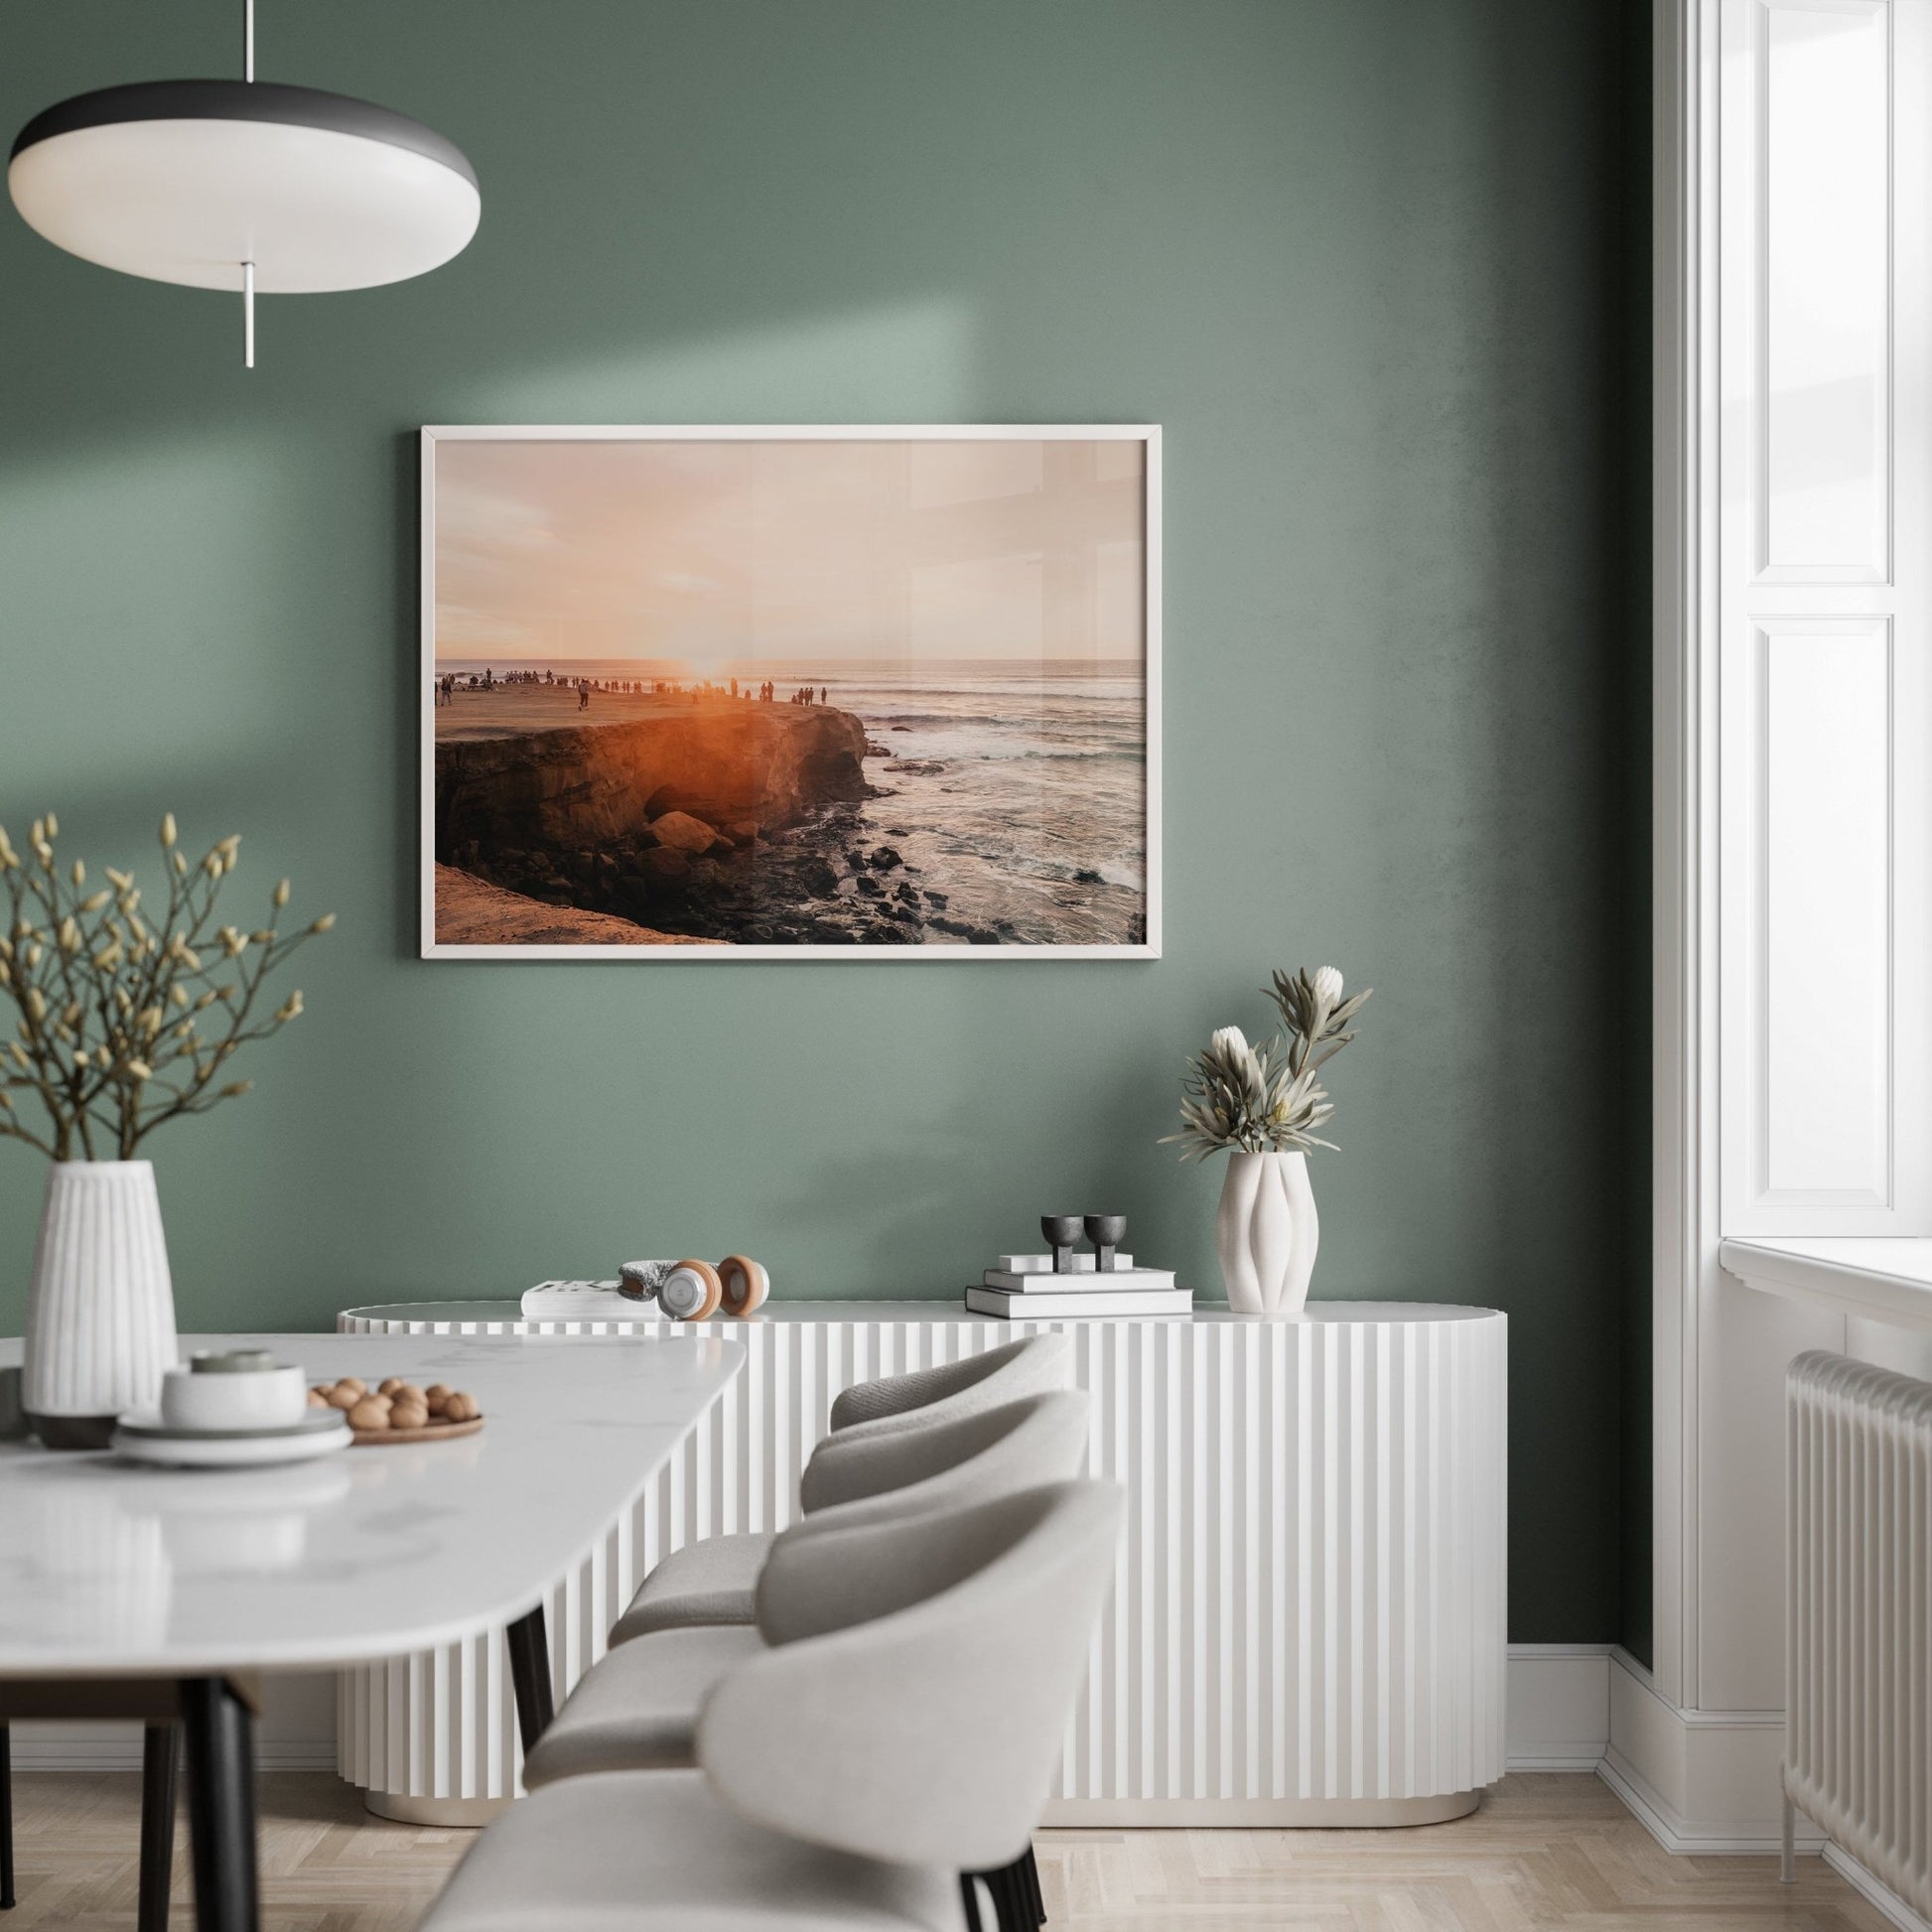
433,1431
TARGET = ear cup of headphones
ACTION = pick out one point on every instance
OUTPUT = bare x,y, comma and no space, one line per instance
640,1280
691,1291
745,1283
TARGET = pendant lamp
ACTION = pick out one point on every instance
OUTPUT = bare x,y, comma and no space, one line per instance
244,184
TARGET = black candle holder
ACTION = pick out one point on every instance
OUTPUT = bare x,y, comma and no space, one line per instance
1061,1232
1106,1232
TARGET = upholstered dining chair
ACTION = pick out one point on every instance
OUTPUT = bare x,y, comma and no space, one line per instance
712,1581
924,1395
636,1709
902,1728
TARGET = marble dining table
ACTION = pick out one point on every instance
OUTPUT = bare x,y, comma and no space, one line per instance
130,1590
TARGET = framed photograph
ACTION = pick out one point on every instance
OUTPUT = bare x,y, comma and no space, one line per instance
791,693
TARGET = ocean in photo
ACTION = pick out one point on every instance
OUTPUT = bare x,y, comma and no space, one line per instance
1022,795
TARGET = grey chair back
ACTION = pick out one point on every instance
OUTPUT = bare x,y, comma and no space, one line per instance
923,1677
968,1459
976,1382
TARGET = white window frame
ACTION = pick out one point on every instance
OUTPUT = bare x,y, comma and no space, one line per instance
1722,602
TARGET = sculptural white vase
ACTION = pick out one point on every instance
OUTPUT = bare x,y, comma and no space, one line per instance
100,1307
1266,1232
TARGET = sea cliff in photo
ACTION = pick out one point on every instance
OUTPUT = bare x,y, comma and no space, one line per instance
723,761
706,818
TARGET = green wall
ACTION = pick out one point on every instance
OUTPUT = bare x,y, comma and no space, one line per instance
1364,259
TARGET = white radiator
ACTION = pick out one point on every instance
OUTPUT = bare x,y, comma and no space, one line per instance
1858,1738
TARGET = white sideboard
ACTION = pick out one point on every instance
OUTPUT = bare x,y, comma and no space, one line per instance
1308,1621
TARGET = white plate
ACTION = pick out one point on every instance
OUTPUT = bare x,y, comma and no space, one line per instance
151,1422
145,1438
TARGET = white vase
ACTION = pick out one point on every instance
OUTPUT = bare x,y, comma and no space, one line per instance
100,1307
1266,1232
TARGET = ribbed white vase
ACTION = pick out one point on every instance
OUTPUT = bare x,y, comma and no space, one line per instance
100,1307
1267,1232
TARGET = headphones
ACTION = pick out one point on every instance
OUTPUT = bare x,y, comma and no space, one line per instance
689,1290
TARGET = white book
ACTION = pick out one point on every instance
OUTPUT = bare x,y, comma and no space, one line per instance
1043,1264
1119,1281
586,1302
1011,1305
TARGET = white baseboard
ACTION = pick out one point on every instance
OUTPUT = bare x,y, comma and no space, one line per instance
117,1748
1690,1837
296,1733
1880,1895
1255,1814
1702,1781
1558,1720
1559,1706
1707,1782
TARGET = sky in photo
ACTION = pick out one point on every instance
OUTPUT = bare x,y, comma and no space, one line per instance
721,553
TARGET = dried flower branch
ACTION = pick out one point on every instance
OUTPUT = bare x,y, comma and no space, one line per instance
125,1019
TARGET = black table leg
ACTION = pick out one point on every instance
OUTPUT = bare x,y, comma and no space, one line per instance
529,1644
5,1820
160,1750
219,1731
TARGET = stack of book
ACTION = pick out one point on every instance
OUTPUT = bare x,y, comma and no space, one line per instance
586,1302
1023,1288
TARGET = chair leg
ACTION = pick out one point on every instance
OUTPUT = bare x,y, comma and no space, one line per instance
1010,1906
529,1647
969,1901
5,1820
1015,1891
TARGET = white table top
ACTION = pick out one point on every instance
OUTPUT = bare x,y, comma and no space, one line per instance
475,1314
108,1568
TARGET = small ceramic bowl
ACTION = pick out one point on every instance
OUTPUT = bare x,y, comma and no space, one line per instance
244,1388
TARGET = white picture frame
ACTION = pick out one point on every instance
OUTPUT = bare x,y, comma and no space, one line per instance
458,939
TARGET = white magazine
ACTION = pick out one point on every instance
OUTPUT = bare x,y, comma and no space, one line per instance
1082,1264
586,1302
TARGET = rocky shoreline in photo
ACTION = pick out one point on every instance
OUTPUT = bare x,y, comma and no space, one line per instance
824,880
470,912
728,821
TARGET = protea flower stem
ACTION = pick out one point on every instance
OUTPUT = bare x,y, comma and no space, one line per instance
1257,1100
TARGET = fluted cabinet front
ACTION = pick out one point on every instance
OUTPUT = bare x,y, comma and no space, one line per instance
1308,1624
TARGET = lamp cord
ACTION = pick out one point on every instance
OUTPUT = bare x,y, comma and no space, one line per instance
248,268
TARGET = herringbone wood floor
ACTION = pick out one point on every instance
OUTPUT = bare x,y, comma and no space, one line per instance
1545,1851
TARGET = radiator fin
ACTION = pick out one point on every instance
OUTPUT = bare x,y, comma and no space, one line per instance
1858,1747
